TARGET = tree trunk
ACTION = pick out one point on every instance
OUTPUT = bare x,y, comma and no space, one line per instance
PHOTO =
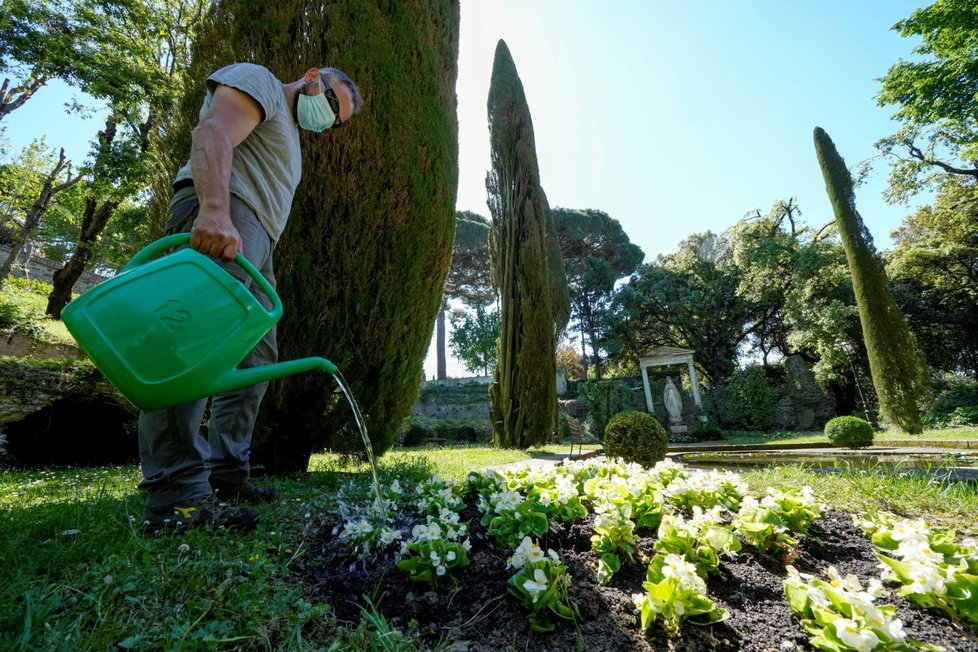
93,223
440,343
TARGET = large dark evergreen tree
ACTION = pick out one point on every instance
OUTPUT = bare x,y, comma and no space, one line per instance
523,394
362,263
897,368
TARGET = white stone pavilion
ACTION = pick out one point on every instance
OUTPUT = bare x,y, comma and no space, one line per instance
668,355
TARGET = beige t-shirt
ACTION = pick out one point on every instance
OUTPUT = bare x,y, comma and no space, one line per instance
267,165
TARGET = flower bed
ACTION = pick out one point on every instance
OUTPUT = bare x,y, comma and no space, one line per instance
622,558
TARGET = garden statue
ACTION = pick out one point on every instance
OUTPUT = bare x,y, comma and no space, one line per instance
674,403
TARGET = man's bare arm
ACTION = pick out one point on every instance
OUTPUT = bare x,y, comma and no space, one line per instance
232,115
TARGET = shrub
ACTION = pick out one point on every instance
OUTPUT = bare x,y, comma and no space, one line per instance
22,305
966,415
706,432
745,401
950,392
635,437
605,399
851,432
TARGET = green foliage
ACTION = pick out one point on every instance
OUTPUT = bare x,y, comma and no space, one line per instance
362,264
949,392
475,339
523,396
468,278
596,252
898,371
851,432
746,401
934,93
966,415
687,299
605,399
22,305
636,437
932,265
417,429
798,282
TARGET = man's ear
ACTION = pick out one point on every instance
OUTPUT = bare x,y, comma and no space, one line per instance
311,75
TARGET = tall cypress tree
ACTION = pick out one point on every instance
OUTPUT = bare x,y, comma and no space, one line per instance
523,394
898,371
362,263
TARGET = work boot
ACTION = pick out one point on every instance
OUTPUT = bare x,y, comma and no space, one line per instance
198,512
246,492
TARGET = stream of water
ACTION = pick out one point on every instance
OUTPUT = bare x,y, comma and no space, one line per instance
379,504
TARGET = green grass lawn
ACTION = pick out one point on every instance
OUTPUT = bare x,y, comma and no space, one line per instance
77,575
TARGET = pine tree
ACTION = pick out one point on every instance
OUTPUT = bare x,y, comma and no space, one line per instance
523,394
898,371
362,263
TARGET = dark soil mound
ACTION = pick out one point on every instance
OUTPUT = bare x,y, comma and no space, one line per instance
481,615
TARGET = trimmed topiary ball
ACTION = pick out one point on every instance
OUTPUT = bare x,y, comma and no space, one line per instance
851,432
635,437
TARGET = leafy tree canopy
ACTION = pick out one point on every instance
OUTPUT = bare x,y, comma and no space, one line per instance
469,276
935,99
596,252
475,338
934,271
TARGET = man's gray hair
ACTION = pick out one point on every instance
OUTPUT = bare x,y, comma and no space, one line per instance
336,73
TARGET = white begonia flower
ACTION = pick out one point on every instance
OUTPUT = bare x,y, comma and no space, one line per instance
969,547
907,529
440,570
554,557
875,588
894,629
861,640
676,566
638,599
450,555
537,585
917,550
926,579
545,498
404,548
395,487
365,527
507,501
434,557
388,536
748,505
467,544
818,597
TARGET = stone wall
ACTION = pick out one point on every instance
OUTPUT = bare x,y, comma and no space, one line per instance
456,398
42,269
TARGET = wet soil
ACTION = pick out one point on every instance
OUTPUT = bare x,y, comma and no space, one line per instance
479,615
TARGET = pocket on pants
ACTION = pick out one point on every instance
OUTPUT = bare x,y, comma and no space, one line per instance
182,216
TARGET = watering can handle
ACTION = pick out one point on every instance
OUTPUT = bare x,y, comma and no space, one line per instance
160,246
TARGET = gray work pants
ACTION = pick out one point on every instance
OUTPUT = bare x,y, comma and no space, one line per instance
178,464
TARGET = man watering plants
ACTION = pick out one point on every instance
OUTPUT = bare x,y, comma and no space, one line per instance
235,194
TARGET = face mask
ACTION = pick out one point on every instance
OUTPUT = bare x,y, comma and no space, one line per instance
315,114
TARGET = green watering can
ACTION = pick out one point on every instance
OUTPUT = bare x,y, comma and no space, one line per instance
173,329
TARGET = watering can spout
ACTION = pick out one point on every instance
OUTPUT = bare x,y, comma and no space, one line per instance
238,378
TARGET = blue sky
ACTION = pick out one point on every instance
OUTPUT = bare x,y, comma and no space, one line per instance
673,117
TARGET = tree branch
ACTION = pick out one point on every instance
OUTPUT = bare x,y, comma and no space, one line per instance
916,153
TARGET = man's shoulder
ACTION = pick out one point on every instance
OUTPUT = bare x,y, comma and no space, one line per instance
255,80
243,70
